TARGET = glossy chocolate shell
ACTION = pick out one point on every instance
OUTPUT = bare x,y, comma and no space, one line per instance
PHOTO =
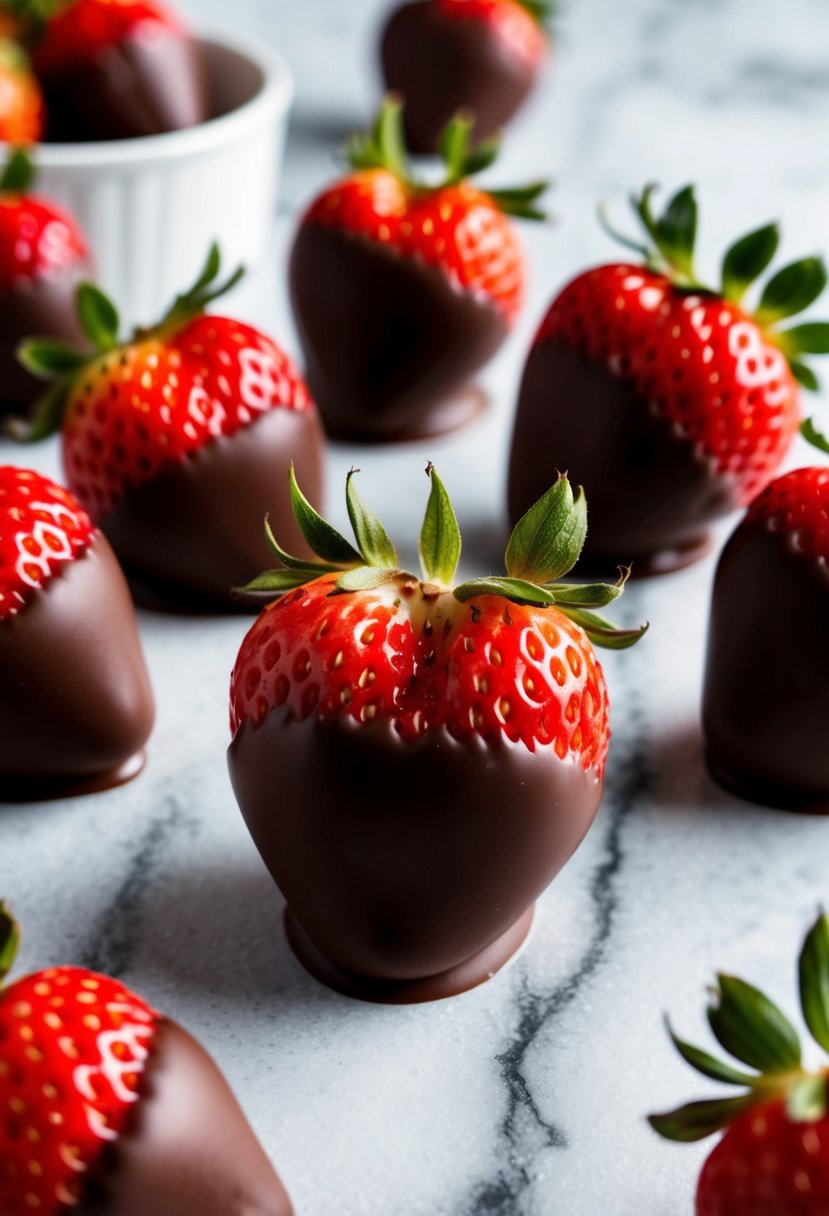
402,864
651,496
390,345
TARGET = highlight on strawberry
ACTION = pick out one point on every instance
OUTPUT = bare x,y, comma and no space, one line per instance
403,289
773,1158
43,257
755,746
109,1106
175,440
673,401
417,758
480,55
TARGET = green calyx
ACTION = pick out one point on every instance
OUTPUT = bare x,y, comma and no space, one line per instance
9,941
758,1035
384,147
544,546
670,251
18,173
59,362
542,11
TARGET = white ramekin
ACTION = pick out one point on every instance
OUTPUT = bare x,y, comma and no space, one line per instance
150,207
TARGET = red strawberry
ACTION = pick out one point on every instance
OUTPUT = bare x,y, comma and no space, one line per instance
113,69
773,1159
43,257
446,746
772,576
76,706
448,55
172,441
671,402
21,102
96,1089
403,291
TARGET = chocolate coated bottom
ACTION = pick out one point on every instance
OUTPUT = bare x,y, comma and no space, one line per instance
389,343
75,698
650,495
765,710
402,861
188,1149
196,531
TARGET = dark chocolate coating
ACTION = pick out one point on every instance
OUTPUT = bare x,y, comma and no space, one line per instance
650,494
199,527
152,82
765,708
40,307
441,64
402,861
188,1149
388,341
75,697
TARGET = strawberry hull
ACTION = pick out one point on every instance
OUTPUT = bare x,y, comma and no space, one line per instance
196,530
77,707
442,64
765,701
187,1150
652,496
409,869
390,343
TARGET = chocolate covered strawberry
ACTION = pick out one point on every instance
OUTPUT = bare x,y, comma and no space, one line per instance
22,113
43,258
417,760
178,440
765,710
114,69
773,1158
402,291
447,55
110,1107
76,706
672,402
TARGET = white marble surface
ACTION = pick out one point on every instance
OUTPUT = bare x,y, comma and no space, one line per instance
526,1097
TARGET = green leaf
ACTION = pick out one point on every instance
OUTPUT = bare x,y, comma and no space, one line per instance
676,231
610,229
707,1064
791,290
804,375
365,578
389,138
814,979
47,418
18,173
547,540
454,145
746,260
204,291
273,582
602,632
806,1100
323,540
305,565
483,156
440,538
699,1119
811,338
812,435
519,200
9,941
515,589
586,595
752,1029
49,357
98,317
542,11
372,538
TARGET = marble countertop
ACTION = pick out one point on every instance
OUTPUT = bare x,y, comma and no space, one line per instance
527,1096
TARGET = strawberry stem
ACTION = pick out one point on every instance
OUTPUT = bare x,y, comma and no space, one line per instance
18,173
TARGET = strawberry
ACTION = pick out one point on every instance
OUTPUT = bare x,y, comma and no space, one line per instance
76,706
21,103
43,257
773,1159
672,402
402,291
458,703
114,69
447,55
96,1088
178,431
756,746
